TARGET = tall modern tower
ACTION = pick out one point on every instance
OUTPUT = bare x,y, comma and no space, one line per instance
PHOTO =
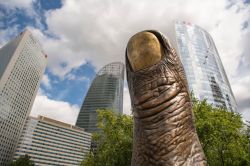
105,92
204,70
22,64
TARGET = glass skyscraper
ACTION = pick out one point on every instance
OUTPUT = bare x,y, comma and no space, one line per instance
22,64
105,92
204,70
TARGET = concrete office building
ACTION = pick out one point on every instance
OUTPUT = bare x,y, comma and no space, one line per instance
105,92
22,64
51,142
204,70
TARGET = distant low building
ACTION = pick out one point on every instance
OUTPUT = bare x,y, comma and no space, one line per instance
51,142
105,92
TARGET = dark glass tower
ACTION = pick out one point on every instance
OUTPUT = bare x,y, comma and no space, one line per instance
204,70
105,92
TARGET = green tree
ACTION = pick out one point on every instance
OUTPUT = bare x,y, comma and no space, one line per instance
223,135
114,142
22,161
247,135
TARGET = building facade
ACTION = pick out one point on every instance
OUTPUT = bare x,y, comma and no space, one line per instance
22,64
51,142
205,73
105,92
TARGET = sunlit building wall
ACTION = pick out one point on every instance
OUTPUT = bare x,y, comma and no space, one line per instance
105,92
51,142
203,67
22,64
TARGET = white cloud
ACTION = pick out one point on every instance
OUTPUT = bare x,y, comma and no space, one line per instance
126,101
61,58
8,34
98,31
12,4
242,96
46,81
242,86
75,77
230,37
246,114
59,110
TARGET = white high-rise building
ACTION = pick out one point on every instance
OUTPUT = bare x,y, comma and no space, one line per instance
51,142
205,73
22,64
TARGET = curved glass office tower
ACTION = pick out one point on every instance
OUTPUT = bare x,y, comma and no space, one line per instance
105,92
205,73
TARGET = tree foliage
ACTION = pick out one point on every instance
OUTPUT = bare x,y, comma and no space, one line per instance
114,142
22,161
223,135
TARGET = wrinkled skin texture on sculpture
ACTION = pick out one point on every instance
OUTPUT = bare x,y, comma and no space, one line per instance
164,131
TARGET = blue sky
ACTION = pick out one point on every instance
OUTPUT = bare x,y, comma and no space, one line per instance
74,86
72,89
80,37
